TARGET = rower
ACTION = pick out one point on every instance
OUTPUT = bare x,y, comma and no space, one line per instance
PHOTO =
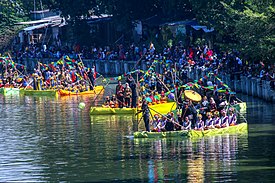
232,118
156,123
145,113
224,119
209,121
113,102
186,123
200,123
169,126
106,102
217,119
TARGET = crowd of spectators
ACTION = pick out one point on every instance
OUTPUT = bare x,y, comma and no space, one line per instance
200,57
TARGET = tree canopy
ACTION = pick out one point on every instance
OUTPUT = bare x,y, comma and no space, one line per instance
246,25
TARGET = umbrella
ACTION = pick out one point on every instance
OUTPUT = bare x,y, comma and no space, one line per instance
192,95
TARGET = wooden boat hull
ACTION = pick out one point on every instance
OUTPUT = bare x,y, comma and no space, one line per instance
160,108
9,91
97,90
240,128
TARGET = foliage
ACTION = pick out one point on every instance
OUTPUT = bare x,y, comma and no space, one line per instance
246,25
11,12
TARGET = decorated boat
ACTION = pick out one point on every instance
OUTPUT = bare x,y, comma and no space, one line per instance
237,129
97,90
9,91
31,92
56,93
160,108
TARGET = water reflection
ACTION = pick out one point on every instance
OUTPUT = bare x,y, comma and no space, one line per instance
51,140
210,159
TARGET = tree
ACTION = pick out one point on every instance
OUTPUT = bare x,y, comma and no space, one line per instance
11,12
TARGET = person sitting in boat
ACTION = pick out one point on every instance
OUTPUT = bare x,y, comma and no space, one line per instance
157,97
232,117
106,102
113,102
209,121
169,126
156,123
186,124
163,98
200,123
217,119
162,123
127,95
224,119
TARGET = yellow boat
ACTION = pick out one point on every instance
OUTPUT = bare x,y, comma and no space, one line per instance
97,90
56,93
160,108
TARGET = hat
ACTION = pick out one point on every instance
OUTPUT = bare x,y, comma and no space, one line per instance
223,111
208,113
216,113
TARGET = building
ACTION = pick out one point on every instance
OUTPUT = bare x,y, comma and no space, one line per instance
44,27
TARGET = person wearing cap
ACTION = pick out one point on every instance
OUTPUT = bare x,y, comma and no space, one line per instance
232,118
200,123
209,121
217,119
224,119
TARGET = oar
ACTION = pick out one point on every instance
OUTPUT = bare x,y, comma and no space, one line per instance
100,92
165,116
239,113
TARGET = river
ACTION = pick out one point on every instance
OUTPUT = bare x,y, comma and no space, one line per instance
51,140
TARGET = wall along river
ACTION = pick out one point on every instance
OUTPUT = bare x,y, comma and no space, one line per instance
50,140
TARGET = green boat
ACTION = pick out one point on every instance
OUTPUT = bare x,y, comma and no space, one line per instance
28,92
238,129
9,91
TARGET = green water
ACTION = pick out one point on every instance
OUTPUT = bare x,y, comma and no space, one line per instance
51,140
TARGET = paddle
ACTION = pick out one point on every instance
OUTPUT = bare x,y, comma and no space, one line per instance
165,116
100,91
